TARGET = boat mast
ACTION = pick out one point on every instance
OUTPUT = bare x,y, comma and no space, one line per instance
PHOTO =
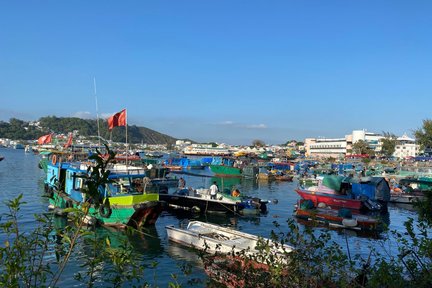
97,110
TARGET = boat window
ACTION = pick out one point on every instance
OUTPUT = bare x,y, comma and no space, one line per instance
77,182
113,188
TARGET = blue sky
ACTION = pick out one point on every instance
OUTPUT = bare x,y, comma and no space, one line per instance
226,71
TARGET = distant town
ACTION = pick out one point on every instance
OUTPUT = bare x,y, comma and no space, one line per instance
316,148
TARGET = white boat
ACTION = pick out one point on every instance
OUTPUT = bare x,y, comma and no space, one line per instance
406,198
217,239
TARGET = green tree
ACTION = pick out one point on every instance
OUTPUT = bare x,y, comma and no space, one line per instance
258,143
424,135
361,147
388,144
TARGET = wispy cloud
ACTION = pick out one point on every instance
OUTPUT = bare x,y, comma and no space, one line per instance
240,125
228,122
256,126
83,115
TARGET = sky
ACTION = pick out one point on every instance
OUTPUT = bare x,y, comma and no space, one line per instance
230,71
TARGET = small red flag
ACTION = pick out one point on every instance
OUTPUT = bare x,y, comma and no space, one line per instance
69,141
118,119
45,139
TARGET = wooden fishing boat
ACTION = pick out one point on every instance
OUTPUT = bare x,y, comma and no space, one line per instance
342,218
130,203
217,239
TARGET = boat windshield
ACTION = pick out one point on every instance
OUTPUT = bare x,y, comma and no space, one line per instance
125,186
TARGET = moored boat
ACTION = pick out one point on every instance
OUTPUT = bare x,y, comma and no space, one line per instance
217,239
330,199
341,218
225,171
130,202
370,193
199,201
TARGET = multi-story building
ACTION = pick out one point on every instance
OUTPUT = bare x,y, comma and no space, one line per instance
340,147
406,147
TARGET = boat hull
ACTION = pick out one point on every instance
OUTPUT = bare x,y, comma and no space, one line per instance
217,239
331,218
125,211
201,205
226,171
330,199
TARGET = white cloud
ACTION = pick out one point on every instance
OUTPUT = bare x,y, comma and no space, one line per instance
256,126
228,122
83,115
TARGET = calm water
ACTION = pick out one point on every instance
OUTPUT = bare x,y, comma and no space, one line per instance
19,173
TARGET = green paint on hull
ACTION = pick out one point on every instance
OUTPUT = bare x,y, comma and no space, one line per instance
226,170
121,214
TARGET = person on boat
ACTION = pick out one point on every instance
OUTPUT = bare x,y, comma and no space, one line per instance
182,183
213,190
235,193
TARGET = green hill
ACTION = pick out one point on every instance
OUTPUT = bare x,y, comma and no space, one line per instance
20,130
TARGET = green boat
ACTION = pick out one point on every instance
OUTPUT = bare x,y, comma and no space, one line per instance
225,171
131,204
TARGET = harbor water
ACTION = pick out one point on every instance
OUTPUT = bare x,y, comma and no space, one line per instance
19,174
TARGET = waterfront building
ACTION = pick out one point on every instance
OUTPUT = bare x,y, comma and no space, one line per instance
406,147
206,149
340,147
325,147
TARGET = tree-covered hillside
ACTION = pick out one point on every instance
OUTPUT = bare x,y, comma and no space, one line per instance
20,130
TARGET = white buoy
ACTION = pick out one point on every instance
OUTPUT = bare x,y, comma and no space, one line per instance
349,222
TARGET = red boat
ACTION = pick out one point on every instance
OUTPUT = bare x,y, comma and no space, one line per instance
330,199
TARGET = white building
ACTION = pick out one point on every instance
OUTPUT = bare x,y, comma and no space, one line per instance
406,147
321,147
339,147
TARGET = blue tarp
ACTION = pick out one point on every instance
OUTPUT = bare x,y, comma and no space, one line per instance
360,189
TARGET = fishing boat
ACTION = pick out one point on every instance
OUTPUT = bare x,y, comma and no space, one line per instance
330,199
406,197
265,175
225,171
217,239
199,201
341,218
370,193
131,204
225,167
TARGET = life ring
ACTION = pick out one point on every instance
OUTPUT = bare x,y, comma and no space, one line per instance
105,211
54,159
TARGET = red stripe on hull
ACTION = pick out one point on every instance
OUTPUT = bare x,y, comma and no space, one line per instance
330,200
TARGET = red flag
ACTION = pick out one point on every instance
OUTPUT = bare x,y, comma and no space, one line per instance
69,141
118,119
45,139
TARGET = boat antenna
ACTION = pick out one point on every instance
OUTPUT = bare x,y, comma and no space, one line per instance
97,110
